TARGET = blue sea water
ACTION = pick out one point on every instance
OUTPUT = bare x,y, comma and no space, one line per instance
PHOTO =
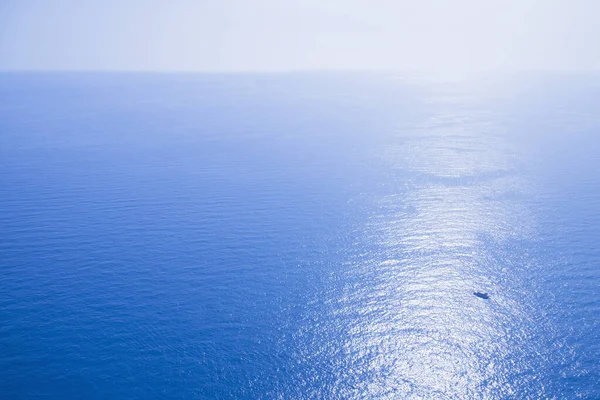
299,236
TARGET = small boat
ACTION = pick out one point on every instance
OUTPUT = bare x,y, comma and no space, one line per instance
482,295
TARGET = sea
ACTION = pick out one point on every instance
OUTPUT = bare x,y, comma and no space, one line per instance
306,235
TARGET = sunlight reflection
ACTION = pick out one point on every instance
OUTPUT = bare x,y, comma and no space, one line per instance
418,330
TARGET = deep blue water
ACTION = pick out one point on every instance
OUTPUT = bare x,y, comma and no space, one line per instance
298,236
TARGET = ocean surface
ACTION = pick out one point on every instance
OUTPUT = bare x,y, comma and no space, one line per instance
299,236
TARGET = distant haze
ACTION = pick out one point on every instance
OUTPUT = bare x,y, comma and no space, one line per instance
275,35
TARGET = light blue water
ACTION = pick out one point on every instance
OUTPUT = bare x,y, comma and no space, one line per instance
298,236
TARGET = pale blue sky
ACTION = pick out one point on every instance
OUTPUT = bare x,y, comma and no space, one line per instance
267,35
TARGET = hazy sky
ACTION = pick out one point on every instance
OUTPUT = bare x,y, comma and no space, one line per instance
218,35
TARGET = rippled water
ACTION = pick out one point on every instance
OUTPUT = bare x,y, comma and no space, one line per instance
298,236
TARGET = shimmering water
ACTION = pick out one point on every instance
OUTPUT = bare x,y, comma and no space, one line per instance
299,236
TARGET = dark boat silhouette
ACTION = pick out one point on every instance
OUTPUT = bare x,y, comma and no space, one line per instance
482,295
